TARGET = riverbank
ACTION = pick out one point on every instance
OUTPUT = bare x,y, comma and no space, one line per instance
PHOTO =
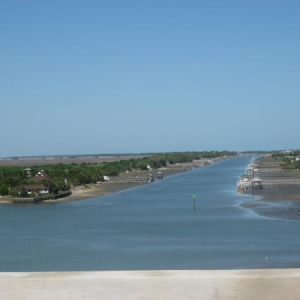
124,181
280,195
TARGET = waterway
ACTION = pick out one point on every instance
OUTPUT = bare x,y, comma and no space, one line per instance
151,227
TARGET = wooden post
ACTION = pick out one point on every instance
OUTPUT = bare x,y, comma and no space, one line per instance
194,197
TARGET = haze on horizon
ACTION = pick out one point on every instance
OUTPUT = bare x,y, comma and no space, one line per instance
131,77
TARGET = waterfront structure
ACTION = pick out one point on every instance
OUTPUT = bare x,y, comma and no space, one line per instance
249,181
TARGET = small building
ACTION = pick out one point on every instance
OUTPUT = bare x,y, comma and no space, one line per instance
37,185
40,176
106,178
256,183
28,172
149,178
40,188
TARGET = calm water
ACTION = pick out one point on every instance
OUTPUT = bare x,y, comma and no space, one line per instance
151,227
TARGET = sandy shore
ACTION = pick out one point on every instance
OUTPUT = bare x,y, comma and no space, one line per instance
276,284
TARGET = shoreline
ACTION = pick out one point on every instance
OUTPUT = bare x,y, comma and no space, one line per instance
280,195
114,186
273,200
120,183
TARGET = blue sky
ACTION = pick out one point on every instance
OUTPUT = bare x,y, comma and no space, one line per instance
82,77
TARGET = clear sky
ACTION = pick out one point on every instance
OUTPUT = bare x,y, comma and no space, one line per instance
88,76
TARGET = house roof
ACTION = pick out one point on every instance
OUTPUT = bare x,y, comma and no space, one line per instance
40,176
35,187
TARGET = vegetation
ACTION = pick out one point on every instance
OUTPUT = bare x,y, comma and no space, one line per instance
63,176
290,160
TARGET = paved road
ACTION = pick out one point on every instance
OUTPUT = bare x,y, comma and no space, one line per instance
145,285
